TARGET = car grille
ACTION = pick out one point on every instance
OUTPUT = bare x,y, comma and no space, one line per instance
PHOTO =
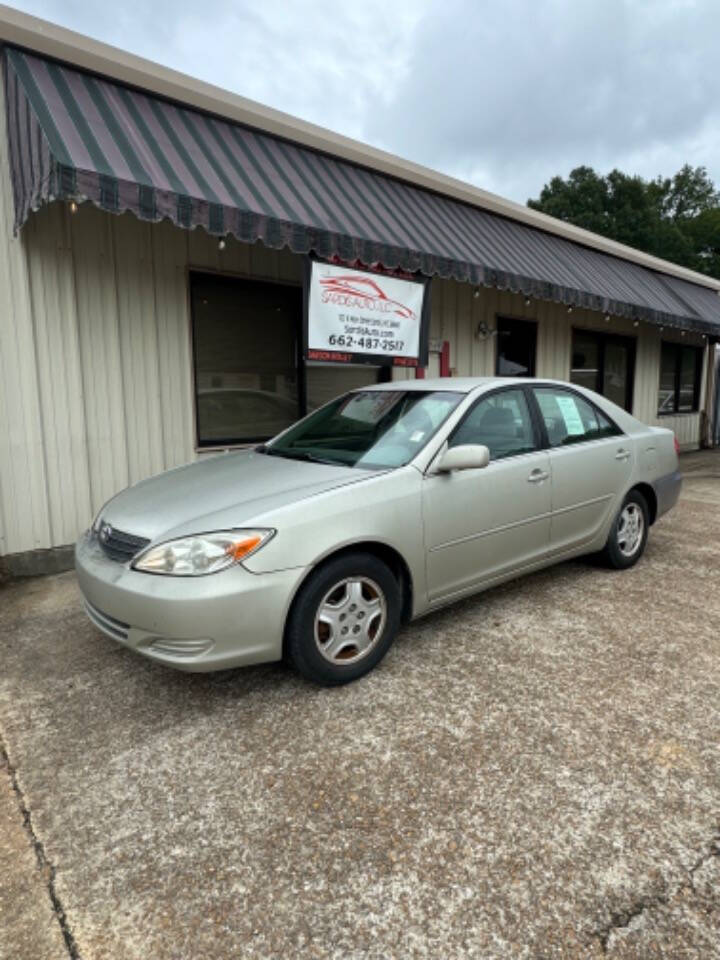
118,545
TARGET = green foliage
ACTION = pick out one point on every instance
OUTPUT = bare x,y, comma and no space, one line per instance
676,218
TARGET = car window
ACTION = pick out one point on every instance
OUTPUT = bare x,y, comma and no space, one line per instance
571,419
371,429
501,422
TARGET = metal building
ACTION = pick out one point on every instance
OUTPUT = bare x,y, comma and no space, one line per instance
153,237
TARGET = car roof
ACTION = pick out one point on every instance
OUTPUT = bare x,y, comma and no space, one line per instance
457,384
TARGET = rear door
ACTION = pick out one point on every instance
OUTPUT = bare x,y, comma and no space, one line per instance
590,462
481,524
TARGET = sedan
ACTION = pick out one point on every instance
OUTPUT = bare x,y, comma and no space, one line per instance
381,506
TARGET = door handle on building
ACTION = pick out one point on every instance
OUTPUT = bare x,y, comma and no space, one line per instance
622,455
537,476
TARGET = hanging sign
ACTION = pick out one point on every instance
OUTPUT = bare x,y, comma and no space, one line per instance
359,316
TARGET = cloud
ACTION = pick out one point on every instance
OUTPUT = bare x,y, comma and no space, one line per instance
504,93
509,94
324,61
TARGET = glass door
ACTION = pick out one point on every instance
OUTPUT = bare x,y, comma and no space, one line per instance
604,363
617,371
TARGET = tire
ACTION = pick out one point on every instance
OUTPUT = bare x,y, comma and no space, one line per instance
344,619
628,534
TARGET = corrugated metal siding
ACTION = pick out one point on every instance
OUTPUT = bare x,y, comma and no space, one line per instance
107,361
24,520
96,367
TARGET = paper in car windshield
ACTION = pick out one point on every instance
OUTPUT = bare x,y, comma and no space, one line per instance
571,416
369,407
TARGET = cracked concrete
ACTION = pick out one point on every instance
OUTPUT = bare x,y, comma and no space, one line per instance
531,774
28,922
626,919
46,869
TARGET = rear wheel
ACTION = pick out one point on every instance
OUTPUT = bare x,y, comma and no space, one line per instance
628,536
344,619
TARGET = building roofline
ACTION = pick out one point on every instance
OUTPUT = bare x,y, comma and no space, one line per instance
57,42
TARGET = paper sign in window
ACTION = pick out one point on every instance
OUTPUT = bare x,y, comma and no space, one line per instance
569,411
369,407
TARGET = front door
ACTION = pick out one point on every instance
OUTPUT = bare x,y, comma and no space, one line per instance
481,524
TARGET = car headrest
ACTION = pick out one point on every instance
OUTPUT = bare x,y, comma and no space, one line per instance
498,420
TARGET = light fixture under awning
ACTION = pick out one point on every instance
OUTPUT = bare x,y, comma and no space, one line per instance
77,136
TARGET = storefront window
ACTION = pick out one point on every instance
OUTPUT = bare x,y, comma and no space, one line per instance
680,372
516,343
604,363
246,347
250,383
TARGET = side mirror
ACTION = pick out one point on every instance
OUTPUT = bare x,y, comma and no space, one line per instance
469,456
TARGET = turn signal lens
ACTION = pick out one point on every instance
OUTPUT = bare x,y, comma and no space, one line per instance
202,554
244,548
677,445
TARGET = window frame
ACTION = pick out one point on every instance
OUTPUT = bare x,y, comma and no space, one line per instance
678,347
499,318
603,339
538,435
202,273
542,440
543,385
301,365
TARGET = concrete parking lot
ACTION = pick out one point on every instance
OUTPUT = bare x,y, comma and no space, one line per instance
532,773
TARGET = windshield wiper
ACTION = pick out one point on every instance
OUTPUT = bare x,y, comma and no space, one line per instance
301,455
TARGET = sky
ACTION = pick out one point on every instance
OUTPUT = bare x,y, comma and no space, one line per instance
504,94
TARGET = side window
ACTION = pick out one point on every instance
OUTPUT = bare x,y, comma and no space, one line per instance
501,422
570,419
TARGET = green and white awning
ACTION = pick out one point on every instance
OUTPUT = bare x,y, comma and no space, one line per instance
74,135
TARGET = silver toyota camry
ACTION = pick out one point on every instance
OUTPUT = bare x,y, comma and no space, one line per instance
381,506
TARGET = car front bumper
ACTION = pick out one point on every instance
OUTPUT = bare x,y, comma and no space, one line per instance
228,619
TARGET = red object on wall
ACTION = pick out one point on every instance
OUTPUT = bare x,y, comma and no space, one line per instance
445,359
419,373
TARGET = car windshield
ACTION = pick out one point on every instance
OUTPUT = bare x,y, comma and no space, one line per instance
374,429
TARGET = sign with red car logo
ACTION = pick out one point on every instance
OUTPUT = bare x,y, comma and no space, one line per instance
358,316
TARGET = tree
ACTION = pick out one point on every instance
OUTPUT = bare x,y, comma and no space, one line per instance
688,194
704,231
676,218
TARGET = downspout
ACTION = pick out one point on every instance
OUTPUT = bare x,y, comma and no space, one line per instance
715,432
710,432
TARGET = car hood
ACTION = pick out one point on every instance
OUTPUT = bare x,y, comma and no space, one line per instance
220,492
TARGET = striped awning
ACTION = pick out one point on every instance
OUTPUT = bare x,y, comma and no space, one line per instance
77,136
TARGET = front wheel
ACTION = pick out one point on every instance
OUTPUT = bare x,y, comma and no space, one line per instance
344,619
628,535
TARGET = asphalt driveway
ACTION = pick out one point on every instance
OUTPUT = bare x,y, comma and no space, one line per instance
533,773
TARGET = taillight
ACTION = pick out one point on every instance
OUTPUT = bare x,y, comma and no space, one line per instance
677,445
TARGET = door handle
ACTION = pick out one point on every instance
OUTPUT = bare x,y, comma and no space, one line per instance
622,455
537,476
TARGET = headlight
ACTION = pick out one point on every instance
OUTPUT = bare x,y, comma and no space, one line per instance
96,522
202,554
